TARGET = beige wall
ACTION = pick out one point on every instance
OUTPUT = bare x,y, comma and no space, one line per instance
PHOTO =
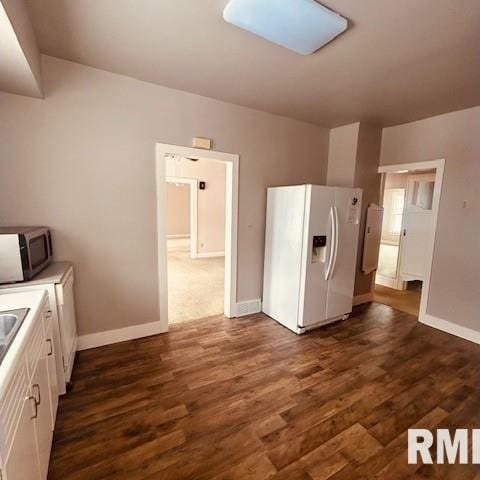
178,209
396,180
342,155
353,162
455,282
368,179
83,160
210,202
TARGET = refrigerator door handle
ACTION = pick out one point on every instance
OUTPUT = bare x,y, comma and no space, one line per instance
335,251
332,244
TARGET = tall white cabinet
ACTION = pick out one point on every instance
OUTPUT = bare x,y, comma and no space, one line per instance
58,281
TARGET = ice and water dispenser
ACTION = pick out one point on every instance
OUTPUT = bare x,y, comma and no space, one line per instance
319,249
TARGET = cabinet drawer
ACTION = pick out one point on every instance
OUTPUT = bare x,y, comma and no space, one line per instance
11,406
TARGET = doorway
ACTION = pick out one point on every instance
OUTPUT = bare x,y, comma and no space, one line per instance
197,263
195,213
410,199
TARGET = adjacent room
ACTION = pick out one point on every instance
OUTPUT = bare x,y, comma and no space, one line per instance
409,222
239,239
195,215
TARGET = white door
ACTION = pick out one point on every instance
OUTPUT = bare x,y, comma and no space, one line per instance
319,218
417,226
341,281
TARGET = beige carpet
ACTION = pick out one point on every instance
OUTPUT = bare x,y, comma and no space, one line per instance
195,285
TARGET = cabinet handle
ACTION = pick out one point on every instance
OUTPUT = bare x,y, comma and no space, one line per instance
48,314
50,353
37,402
31,397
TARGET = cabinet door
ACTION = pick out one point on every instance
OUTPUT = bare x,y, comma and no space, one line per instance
51,366
43,419
67,322
22,461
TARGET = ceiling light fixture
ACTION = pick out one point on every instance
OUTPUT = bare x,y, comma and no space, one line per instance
303,26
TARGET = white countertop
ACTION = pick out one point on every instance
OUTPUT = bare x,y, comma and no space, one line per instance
54,273
13,301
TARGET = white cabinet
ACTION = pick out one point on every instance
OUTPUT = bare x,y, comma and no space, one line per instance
66,321
58,281
22,461
28,406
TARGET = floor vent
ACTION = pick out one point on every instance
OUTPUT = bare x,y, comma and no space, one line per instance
249,307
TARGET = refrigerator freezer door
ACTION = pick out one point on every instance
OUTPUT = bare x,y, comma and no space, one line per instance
319,217
283,253
342,276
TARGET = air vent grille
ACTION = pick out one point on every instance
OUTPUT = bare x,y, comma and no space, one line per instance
249,307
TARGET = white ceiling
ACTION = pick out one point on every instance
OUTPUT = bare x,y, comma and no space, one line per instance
400,60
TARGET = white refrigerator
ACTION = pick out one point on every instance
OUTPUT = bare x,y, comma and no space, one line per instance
310,254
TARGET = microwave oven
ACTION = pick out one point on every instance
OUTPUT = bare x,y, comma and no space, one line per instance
24,252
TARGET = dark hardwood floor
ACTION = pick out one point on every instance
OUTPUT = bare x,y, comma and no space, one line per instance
246,398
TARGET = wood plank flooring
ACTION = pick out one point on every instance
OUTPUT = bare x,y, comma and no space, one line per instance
246,398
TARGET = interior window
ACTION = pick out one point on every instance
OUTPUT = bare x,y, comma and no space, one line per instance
422,195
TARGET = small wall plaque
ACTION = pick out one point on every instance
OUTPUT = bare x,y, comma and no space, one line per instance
200,142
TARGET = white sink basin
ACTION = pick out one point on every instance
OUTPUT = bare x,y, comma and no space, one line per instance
10,322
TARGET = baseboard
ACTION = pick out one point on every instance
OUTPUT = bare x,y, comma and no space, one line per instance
365,298
93,340
210,254
452,328
179,236
249,307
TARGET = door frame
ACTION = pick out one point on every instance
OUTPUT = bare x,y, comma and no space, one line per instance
193,185
439,166
231,161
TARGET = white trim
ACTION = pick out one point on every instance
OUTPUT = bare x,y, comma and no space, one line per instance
99,339
396,283
231,221
426,165
452,328
365,298
210,254
439,166
193,184
180,236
